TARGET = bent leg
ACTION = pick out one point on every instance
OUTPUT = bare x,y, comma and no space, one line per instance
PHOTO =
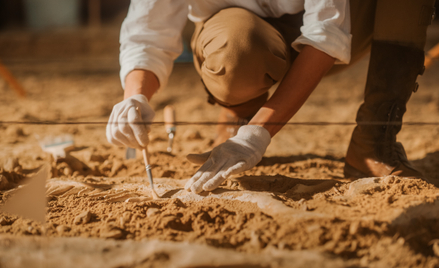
239,56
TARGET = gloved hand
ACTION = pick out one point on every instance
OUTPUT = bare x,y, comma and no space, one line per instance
236,155
121,127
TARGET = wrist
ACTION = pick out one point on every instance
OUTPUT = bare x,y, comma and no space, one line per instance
141,82
257,136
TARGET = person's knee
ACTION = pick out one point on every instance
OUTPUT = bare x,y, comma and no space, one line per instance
244,58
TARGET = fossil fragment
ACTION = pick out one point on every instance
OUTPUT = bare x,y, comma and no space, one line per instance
83,218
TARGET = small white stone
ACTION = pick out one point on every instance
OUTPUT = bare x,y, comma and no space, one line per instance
82,218
62,228
152,211
68,171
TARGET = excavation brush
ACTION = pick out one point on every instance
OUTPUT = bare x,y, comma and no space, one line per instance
169,115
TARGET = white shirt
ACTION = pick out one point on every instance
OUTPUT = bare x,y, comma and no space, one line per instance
151,33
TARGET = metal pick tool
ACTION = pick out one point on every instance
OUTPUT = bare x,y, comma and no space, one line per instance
148,166
149,173
169,115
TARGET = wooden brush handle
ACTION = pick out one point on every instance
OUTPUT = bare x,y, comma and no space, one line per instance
145,156
169,115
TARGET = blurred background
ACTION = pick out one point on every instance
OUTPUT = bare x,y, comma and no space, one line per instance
60,36
61,30
65,56
45,14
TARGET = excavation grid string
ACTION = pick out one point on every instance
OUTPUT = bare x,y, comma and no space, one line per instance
208,123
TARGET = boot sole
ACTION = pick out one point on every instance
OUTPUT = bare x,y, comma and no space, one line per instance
352,173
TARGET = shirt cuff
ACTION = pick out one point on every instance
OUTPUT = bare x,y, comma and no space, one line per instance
161,69
327,38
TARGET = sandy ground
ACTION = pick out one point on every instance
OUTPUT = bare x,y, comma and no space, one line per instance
293,209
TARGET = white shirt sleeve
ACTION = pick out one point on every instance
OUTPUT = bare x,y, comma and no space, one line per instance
150,37
326,27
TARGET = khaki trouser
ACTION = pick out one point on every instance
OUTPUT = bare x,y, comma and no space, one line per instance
239,55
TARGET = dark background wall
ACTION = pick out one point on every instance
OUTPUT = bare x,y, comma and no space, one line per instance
12,14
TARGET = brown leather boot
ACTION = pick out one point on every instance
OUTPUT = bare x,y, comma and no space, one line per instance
373,150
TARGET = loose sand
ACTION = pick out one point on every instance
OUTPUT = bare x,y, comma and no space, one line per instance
293,209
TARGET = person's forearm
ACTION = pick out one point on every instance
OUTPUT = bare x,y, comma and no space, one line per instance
141,82
301,79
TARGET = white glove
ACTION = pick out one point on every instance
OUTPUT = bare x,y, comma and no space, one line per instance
236,155
123,128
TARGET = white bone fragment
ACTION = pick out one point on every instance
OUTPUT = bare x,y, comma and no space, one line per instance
60,190
73,191
96,192
85,191
138,199
121,198
115,195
